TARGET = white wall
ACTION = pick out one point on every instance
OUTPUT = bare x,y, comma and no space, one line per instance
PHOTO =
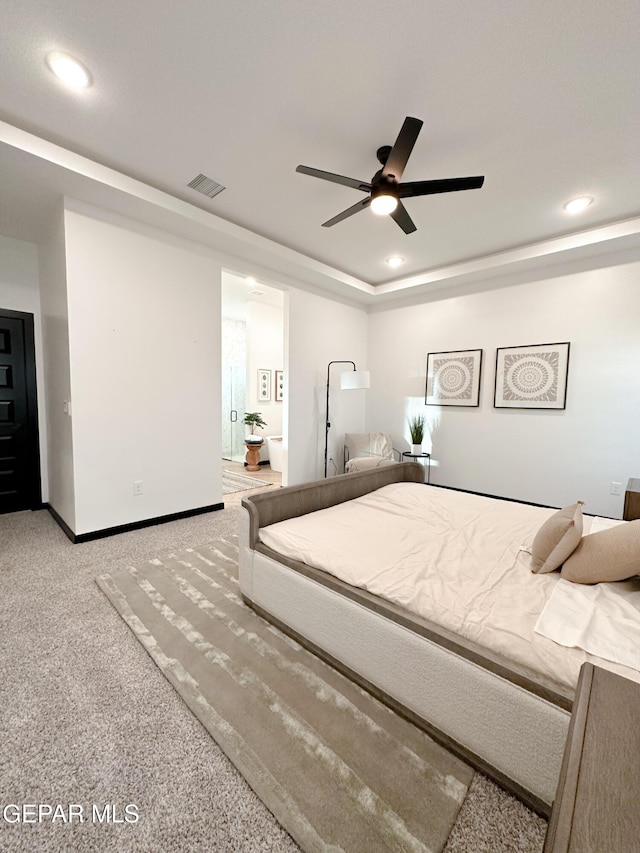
550,457
55,334
20,291
144,313
319,330
144,339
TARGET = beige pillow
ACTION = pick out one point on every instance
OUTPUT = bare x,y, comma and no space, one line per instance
558,537
609,555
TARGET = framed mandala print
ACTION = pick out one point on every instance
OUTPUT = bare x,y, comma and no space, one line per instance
453,378
532,377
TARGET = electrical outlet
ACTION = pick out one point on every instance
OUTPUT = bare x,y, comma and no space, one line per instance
615,488
137,487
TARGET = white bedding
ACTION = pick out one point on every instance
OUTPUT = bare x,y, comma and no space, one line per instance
602,618
451,557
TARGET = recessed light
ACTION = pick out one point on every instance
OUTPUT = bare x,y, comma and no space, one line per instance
71,72
395,261
577,205
250,280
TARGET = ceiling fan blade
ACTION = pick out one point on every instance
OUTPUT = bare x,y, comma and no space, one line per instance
402,148
446,185
355,208
336,179
403,219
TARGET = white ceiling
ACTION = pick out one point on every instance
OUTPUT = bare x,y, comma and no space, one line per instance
541,97
238,293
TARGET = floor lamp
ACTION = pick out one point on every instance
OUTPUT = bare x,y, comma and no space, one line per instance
350,380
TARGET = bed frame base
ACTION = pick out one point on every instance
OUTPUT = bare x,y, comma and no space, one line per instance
505,724
512,735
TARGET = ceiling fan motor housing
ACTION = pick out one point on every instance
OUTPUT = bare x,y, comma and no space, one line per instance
383,185
383,154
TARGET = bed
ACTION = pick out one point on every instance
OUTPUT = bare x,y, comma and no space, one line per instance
332,564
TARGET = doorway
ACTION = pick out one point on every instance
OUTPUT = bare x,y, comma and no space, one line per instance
252,346
19,445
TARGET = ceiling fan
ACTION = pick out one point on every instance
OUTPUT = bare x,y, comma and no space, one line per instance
385,190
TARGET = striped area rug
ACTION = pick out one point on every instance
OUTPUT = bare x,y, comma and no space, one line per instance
339,770
232,482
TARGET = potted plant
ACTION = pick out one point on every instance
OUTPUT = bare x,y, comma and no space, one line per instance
254,421
416,429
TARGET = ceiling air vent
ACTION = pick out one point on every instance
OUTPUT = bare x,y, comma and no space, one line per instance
206,186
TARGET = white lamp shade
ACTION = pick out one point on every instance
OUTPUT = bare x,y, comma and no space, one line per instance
352,380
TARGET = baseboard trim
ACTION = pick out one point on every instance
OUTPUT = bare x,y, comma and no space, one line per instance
511,500
79,538
494,497
60,522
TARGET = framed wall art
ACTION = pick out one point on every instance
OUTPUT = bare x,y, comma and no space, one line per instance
264,385
453,378
279,386
532,377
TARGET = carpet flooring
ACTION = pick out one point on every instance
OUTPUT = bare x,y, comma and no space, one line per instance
86,717
338,769
232,482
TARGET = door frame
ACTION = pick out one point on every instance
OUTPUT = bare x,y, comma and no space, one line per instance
34,483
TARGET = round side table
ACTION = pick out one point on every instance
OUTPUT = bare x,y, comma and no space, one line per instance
420,456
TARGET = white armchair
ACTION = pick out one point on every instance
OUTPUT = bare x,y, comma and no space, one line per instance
363,450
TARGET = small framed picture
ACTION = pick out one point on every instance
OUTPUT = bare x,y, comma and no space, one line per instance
279,386
264,385
453,378
532,377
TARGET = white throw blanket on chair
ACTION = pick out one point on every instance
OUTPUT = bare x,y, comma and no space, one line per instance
368,450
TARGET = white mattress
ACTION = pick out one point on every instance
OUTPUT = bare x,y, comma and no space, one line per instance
450,557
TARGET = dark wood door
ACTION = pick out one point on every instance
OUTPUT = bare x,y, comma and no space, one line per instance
19,450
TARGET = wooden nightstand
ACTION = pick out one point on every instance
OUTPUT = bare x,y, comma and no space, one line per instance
596,807
632,501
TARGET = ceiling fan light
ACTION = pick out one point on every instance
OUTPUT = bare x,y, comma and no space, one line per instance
577,205
382,204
